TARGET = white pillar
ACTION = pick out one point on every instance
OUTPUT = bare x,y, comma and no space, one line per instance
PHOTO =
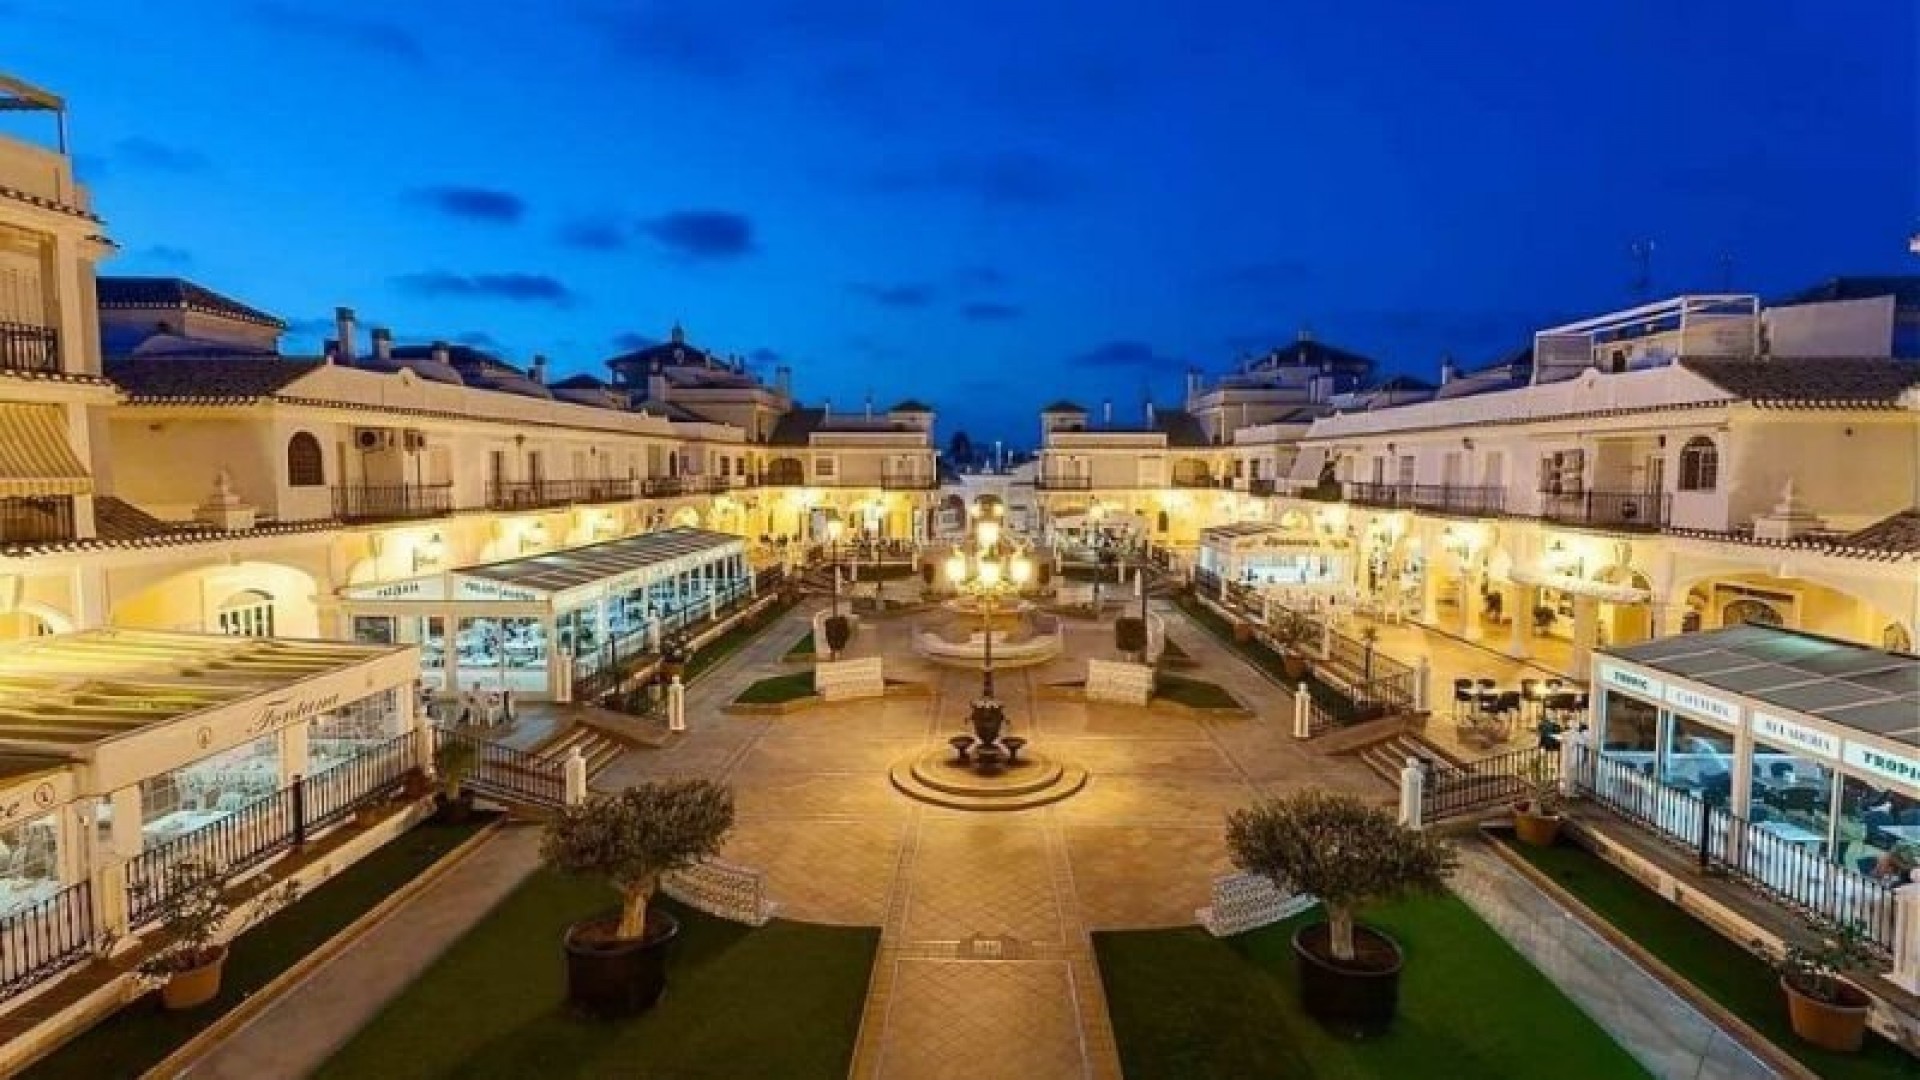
293,753
1423,685
1571,744
560,675
1519,607
1413,788
676,705
1906,935
1586,625
125,838
1469,607
575,774
1301,727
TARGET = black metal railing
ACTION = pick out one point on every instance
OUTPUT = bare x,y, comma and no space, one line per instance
1607,509
533,494
784,473
36,519
1487,783
657,487
46,938
1046,482
392,502
1780,867
29,348
1441,498
507,774
257,831
1260,485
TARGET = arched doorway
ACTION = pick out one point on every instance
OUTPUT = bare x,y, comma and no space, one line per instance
31,621
1895,638
686,518
247,613
1625,622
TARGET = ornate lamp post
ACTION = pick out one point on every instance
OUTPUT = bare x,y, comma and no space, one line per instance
988,571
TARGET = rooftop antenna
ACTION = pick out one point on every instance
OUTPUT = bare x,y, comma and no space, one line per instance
1642,252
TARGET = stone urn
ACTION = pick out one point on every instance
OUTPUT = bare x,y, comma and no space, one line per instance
987,718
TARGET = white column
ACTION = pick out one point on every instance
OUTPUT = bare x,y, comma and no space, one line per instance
1906,935
1469,606
1413,786
1423,685
293,753
124,838
1586,625
1519,605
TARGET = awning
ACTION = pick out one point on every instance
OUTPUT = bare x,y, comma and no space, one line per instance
1599,590
35,458
1307,466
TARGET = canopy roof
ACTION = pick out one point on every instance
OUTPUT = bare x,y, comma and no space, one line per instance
556,572
1861,688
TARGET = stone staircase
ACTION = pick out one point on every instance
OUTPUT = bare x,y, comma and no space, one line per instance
597,746
1388,756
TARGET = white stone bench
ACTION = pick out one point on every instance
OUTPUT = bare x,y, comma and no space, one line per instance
719,888
1243,902
844,680
1073,594
1127,684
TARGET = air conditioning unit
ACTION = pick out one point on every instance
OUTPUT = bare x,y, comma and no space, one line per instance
370,439
415,440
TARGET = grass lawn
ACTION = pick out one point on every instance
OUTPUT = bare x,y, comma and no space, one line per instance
778,689
726,644
802,649
1193,693
1337,704
1725,972
138,1036
782,1000
1189,1006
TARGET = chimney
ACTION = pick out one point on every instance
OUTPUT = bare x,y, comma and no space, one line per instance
869,406
538,371
343,330
1149,413
1106,412
382,343
440,353
1306,334
678,335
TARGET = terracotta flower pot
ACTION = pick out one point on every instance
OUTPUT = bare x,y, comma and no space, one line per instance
1539,830
192,987
1294,665
1838,1026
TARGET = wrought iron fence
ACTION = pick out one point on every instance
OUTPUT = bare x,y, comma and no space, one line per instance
29,348
1489,782
1777,865
505,773
335,792
391,502
36,519
46,938
1612,509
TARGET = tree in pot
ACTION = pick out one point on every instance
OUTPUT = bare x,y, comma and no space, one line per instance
1346,853
453,763
617,961
1824,1008
1536,815
839,632
1130,636
194,907
674,654
1291,631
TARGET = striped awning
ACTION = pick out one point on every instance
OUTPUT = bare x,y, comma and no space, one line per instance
35,458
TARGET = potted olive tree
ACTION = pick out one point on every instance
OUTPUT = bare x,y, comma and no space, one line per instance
1291,631
1130,636
1346,853
454,762
674,654
839,631
617,961
1536,815
1824,1008
194,907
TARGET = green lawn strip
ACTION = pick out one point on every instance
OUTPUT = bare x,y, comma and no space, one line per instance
1190,1006
1336,704
1193,693
781,1000
1741,982
778,689
802,649
140,1035
737,635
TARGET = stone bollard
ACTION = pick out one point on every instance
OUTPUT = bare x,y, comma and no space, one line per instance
574,772
1302,728
676,705
1906,934
1570,764
1413,791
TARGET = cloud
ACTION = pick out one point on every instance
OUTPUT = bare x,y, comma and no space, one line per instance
990,311
166,254
513,286
763,357
702,235
472,203
1006,178
595,234
311,23
980,276
151,155
907,295
479,339
633,340
1124,355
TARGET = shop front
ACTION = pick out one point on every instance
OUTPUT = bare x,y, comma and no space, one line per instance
513,625
1257,554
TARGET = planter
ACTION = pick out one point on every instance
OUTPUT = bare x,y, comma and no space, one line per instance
190,988
455,810
1242,632
1539,830
1840,1027
1294,665
608,977
1356,998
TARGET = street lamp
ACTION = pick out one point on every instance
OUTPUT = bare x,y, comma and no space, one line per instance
834,529
990,570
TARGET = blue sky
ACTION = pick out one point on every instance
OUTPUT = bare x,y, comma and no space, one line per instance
984,204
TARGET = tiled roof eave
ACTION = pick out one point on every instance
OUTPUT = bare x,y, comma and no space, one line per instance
392,410
1509,421
179,537
49,204
74,377
1820,545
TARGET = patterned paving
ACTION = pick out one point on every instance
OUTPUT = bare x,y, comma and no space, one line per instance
985,966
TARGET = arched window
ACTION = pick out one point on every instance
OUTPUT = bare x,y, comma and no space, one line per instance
304,465
247,614
1896,639
1699,465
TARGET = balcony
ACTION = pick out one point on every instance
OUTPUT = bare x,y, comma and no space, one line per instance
392,502
535,494
784,473
1439,498
1198,480
36,520
1063,483
660,487
1636,511
29,348
908,481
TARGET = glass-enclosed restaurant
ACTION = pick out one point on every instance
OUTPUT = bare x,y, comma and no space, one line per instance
1814,740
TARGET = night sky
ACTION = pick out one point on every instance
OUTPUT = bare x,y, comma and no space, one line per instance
982,204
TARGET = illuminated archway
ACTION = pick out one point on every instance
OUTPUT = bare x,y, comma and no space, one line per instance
211,600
